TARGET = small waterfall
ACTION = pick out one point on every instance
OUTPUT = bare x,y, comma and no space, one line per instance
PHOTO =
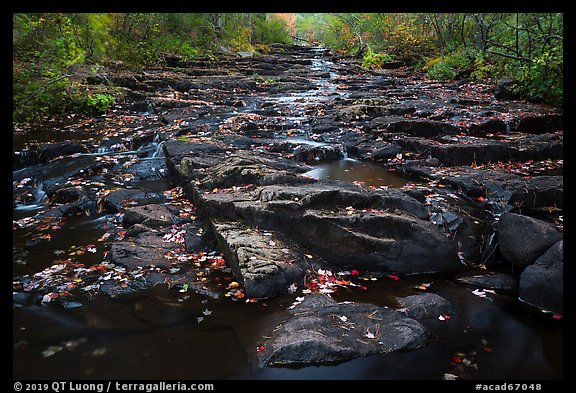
39,194
158,152
39,197
344,151
345,155
150,109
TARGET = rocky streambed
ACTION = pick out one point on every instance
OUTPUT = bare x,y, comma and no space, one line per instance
291,215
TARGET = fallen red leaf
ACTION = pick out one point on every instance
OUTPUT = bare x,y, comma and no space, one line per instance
457,359
260,348
395,278
354,272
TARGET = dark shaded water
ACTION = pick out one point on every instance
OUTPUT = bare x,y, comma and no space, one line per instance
151,335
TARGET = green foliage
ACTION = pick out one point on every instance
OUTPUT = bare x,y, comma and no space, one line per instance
49,47
270,29
263,80
450,66
482,68
526,47
440,68
540,80
374,60
98,103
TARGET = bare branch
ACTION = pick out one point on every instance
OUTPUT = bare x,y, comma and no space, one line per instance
519,58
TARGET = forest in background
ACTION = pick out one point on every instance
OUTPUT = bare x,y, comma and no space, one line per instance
54,54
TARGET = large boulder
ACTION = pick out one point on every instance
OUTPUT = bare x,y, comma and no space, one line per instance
243,169
152,215
541,284
320,330
522,239
116,200
501,282
146,248
54,150
377,241
497,186
372,230
425,305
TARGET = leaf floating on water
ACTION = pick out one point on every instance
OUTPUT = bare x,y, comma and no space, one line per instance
449,377
206,312
99,351
199,319
50,351
479,293
46,298
72,305
183,298
260,348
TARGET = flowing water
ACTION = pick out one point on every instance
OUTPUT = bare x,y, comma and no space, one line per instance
156,334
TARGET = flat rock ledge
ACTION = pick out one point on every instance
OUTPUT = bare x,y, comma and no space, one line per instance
264,263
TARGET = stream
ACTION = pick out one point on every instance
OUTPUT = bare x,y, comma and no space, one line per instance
162,333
